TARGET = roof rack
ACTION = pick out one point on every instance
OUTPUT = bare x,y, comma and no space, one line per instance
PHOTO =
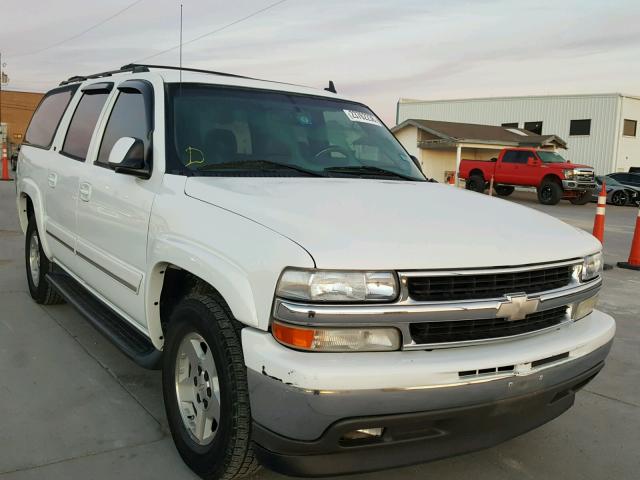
127,68
140,67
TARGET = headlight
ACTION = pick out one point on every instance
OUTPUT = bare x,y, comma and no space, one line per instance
568,174
591,267
334,286
321,339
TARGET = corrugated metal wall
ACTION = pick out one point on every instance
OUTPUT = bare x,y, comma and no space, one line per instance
556,112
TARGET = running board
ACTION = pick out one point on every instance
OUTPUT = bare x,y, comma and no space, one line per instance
119,331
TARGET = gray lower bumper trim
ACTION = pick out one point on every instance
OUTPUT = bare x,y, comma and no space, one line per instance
304,415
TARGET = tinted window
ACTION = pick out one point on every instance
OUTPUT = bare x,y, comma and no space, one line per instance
233,132
629,129
510,125
516,156
128,119
535,127
580,127
82,125
47,116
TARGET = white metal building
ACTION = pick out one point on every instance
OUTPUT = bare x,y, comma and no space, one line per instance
601,130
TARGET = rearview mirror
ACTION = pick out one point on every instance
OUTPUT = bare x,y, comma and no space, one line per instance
127,157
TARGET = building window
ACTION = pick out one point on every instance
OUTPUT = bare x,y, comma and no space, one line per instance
580,127
629,129
534,127
510,125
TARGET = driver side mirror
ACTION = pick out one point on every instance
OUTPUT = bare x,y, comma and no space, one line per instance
533,161
127,157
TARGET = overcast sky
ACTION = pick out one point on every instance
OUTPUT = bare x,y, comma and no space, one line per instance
375,51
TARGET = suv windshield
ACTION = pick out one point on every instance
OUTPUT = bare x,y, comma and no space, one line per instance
551,157
225,131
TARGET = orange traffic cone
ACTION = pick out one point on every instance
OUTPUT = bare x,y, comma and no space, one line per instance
452,179
5,165
634,255
598,224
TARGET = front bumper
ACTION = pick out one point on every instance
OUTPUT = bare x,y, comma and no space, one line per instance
303,403
577,185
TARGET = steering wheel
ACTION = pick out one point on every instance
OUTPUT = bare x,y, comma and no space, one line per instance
333,148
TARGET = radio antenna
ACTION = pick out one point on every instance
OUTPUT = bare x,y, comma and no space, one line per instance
180,46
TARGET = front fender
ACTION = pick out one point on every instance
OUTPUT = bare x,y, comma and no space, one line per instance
238,257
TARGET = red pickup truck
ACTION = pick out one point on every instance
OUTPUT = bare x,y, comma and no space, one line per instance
554,177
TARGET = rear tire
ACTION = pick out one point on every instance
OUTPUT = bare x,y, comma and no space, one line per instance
208,381
549,192
37,266
504,190
476,183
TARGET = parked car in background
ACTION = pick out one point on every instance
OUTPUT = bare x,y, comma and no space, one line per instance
14,158
617,193
554,177
628,179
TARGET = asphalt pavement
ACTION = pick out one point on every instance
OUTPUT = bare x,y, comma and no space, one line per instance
73,407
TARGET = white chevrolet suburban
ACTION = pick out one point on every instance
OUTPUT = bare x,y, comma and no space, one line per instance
314,303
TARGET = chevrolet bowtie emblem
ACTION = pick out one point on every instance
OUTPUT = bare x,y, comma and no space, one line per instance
517,307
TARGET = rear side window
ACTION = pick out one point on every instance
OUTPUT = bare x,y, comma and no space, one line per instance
47,116
516,156
76,143
128,119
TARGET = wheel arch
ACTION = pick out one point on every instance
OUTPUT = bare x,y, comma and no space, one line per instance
476,171
551,177
176,274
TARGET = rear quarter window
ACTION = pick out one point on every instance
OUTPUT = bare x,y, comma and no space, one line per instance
47,116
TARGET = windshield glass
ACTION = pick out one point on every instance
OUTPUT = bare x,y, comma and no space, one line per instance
225,131
551,157
608,181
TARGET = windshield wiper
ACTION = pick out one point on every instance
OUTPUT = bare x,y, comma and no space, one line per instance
368,170
260,165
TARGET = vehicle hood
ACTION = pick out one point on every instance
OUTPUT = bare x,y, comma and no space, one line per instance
568,165
388,224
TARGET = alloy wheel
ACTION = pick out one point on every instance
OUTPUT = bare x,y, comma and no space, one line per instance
34,259
197,388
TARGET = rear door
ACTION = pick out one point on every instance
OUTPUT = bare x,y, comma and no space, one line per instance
512,167
114,208
55,176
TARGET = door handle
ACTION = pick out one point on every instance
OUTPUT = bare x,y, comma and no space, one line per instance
85,191
52,179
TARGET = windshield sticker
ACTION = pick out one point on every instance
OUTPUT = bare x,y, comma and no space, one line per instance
199,156
362,117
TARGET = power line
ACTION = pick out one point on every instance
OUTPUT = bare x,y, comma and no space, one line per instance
213,32
77,35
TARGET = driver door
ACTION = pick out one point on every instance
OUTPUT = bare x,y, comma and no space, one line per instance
114,208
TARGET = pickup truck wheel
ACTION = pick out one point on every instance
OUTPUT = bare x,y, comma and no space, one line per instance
205,389
37,266
476,183
549,193
504,190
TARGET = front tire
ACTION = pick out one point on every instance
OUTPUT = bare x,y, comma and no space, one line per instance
37,266
205,389
549,193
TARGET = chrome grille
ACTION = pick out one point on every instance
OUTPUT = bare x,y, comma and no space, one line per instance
487,285
484,329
